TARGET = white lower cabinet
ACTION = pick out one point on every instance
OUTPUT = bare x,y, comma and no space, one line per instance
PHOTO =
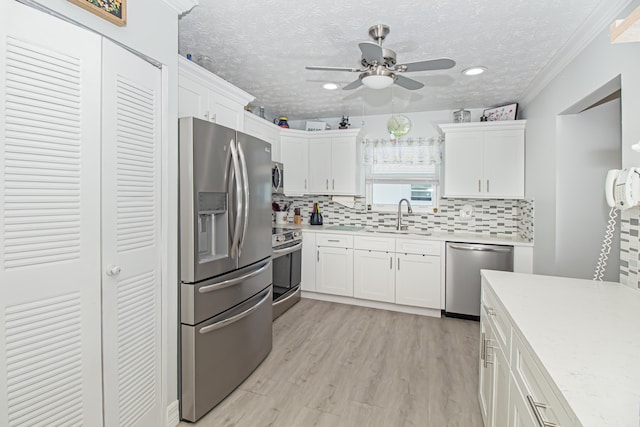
418,280
520,414
383,269
374,275
512,388
334,270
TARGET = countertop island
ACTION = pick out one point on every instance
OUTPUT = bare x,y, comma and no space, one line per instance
585,334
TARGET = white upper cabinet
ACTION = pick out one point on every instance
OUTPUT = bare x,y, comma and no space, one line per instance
484,160
265,130
320,165
294,155
334,161
204,95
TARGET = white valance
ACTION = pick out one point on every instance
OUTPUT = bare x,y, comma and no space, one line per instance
422,151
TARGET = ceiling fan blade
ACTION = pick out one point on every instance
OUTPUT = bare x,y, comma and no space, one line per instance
428,65
353,85
372,52
408,83
312,67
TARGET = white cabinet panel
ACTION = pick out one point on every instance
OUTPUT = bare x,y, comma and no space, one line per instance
295,158
520,414
374,275
418,280
334,271
50,349
265,130
503,161
463,164
131,240
345,165
193,99
308,261
320,175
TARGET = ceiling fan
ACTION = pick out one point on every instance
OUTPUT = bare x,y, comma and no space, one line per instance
379,68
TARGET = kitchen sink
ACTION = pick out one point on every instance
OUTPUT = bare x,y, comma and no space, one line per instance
403,232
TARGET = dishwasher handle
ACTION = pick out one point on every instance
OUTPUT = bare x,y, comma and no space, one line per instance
479,248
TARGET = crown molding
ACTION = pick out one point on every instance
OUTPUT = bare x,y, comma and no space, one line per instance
181,6
599,20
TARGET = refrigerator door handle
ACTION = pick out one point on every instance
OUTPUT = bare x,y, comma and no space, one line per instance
245,191
234,281
237,317
239,202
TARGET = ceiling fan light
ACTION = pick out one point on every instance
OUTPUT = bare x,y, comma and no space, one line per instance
377,81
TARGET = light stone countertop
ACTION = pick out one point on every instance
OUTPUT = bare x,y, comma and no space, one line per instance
587,336
437,236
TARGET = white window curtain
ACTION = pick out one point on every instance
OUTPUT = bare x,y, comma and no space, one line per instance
403,159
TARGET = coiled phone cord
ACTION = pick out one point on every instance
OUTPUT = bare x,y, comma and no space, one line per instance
606,246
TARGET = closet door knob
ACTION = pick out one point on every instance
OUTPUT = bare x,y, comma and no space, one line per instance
113,270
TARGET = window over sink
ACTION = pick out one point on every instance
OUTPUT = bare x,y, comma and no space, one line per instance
402,168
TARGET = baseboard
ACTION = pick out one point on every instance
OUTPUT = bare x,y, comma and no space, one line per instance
372,304
173,414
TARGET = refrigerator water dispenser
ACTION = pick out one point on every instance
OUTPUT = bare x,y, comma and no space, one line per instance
213,227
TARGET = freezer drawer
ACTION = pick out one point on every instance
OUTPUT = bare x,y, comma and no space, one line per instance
203,300
462,281
219,354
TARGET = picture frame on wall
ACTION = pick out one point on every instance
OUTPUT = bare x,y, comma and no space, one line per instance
505,112
114,11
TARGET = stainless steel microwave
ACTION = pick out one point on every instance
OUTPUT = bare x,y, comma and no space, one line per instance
277,178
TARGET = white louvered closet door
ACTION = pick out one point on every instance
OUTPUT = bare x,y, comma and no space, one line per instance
50,347
131,137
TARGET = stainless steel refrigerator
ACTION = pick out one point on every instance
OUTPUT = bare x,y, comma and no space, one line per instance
225,261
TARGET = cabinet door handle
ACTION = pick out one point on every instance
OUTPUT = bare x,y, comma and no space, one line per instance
535,406
398,263
327,184
483,348
487,186
333,240
318,252
490,310
390,263
479,185
305,183
333,184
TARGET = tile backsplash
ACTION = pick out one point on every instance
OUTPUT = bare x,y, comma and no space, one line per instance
630,248
491,217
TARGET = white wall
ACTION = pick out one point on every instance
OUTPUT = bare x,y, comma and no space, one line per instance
152,29
423,124
599,63
590,139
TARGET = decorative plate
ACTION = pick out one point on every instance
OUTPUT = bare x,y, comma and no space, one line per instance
399,125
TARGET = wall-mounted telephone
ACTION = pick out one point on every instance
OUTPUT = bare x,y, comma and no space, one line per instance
622,191
622,188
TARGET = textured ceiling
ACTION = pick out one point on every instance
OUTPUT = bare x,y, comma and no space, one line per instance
263,46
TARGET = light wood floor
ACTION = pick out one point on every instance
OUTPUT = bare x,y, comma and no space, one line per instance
339,365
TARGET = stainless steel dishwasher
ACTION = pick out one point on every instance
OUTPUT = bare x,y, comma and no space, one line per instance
462,283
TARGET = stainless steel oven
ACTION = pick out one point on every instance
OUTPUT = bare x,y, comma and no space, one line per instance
277,178
287,269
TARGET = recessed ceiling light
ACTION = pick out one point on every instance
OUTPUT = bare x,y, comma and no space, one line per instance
473,71
330,86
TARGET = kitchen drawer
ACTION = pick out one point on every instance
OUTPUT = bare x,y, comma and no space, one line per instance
334,240
535,388
421,247
383,244
497,318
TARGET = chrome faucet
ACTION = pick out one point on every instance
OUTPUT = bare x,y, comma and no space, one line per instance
399,225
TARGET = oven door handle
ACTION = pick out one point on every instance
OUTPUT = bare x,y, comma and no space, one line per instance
280,252
287,298
233,319
234,281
